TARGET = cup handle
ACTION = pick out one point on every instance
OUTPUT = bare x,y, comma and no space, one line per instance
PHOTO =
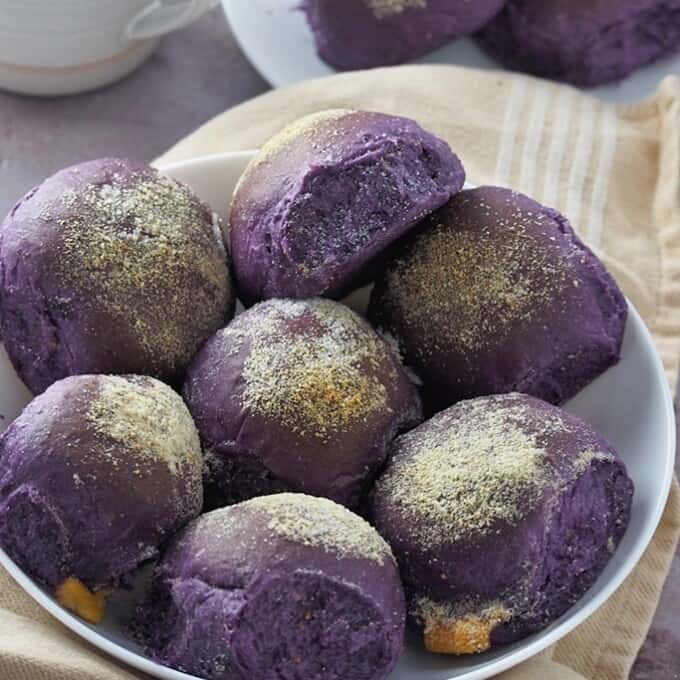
158,18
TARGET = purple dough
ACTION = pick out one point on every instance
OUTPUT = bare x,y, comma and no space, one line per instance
283,586
109,267
585,42
327,195
502,511
355,34
297,395
94,474
497,294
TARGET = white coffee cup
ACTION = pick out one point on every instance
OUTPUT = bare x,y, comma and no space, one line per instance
52,47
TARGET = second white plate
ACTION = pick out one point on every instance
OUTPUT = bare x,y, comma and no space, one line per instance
276,38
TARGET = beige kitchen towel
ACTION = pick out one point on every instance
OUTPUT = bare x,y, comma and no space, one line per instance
613,170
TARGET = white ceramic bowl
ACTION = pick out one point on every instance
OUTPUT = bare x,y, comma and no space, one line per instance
630,404
275,37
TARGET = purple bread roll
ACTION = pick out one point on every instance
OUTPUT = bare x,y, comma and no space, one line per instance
502,511
283,586
297,395
497,294
585,42
355,34
94,474
109,267
327,195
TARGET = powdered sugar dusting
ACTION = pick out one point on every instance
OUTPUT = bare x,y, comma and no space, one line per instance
144,251
387,8
481,269
306,127
461,476
586,458
319,522
147,417
313,365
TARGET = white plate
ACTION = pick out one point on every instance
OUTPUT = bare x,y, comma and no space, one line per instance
275,37
630,404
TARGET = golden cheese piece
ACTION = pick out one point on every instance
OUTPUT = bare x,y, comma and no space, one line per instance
74,596
470,634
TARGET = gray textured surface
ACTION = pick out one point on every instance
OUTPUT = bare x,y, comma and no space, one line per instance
195,75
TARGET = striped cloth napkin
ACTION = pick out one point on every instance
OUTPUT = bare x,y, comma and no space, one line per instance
615,171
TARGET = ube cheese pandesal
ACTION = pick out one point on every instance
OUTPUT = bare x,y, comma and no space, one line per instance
501,511
281,586
327,195
110,267
496,293
297,395
96,473
356,34
584,42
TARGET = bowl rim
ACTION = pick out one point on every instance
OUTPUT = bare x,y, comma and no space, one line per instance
540,642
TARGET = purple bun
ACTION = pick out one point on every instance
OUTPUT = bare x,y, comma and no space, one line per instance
283,586
300,396
502,511
355,34
327,195
109,267
94,474
497,294
585,42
